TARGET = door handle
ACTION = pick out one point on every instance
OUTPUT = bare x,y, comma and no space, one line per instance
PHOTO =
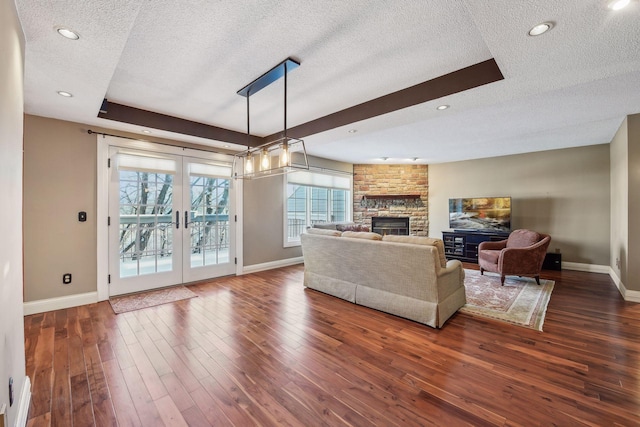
186,219
177,219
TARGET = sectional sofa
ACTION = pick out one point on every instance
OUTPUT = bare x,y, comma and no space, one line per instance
407,276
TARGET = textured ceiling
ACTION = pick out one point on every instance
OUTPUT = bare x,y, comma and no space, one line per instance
570,87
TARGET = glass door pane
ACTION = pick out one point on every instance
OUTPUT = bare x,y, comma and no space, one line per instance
145,241
209,223
210,239
146,226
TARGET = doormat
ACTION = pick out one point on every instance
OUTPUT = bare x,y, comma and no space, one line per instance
521,301
131,302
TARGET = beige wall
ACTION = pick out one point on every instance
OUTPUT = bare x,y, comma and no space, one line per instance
619,259
571,194
264,216
263,225
59,181
633,277
565,193
12,362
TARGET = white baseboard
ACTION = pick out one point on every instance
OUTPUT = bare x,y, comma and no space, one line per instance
631,296
41,306
591,268
25,401
627,295
271,265
50,304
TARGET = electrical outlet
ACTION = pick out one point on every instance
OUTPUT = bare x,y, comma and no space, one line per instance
66,278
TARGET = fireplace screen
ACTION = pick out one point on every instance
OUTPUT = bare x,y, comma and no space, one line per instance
390,225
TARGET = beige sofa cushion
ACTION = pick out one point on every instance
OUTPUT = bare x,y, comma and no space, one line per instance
330,225
352,227
420,240
362,235
324,232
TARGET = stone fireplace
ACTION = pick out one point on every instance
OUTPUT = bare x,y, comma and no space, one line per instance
392,191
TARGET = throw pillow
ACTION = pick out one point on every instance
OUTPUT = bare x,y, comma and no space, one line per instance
325,225
420,240
352,227
324,232
362,235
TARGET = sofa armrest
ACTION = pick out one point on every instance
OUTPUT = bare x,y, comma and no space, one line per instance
493,245
452,265
450,278
524,260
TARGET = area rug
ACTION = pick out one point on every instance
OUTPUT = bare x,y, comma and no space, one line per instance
521,301
122,304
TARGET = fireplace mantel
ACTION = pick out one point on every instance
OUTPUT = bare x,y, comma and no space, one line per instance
386,200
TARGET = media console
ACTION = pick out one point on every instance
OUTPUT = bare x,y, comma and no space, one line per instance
463,245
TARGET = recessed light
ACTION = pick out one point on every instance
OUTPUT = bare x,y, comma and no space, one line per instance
146,131
65,94
618,4
541,29
442,107
353,130
226,146
67,33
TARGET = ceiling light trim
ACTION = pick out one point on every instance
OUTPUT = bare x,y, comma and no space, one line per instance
68,33
616,5
541,28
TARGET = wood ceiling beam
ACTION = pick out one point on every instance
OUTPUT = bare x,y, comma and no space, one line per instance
149,119
457,81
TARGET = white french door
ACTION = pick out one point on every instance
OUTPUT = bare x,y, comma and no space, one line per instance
170,220
207,233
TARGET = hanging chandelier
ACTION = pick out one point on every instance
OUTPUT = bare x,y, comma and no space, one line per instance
276,157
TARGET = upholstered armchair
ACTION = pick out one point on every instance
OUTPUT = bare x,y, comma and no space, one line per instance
522,254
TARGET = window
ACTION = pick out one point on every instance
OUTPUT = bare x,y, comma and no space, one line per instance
312,198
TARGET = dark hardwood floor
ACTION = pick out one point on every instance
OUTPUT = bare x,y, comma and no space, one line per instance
262,350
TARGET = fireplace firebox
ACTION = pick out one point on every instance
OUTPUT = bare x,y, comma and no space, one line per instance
390,225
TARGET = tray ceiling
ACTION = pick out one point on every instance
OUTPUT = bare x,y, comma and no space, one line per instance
570,87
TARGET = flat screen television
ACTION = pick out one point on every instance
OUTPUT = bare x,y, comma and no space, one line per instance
480,214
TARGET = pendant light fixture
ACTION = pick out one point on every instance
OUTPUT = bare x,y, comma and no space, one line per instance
272,158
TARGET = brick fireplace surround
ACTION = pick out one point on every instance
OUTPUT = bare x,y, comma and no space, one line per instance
397,181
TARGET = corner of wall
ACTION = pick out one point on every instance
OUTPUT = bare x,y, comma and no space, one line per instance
627,295
12,343
25,402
